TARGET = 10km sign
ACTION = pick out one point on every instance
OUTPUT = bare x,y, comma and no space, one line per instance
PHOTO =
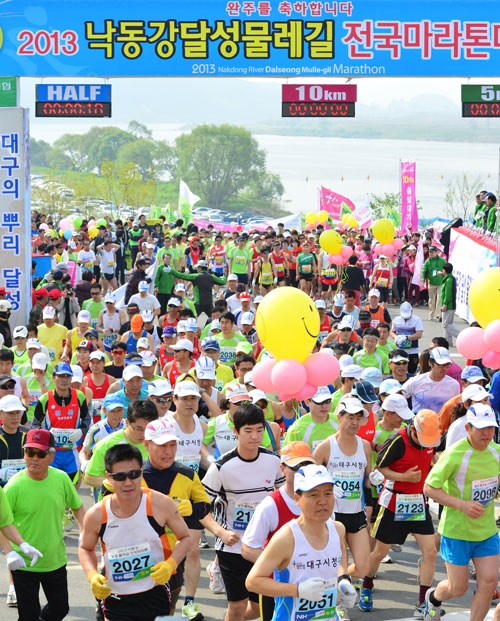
318,92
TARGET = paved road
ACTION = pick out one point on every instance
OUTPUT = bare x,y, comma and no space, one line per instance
395,588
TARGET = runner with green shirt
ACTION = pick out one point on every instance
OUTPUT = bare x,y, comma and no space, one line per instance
465,481
349,375
384,345
38,382
228,339
95,305
33,346
307,267
316,426
369,356
433,271
19,336
139,414
239,261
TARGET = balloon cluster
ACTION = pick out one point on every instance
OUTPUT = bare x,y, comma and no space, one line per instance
475,343
331,242
349,221
383,231
288,326
316,218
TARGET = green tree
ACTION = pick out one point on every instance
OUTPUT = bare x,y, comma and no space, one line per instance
58,160
123,184
107,146
39,152
380,203
218,162
460,197
152,158
139,130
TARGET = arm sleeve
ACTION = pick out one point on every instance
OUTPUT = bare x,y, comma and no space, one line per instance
73,500
39,413
210,432
96,466
6,516
392,450
219,280
190,277
85,419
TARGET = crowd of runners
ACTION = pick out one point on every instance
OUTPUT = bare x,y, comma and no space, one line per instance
133,376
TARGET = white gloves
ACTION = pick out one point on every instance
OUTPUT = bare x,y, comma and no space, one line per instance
311,589
15,561
30,551
347,594
376,478
6,474
338,492
401,340
74,435
84,465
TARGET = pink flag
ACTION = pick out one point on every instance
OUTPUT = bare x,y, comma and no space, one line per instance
331,202
409,213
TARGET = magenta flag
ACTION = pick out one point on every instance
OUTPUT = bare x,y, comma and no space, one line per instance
409,213
332,202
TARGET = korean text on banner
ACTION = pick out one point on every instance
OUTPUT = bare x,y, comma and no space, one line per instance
15,234
363,215
468,257
409,213
332,202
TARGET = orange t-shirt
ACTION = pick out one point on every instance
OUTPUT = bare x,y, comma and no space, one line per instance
445,413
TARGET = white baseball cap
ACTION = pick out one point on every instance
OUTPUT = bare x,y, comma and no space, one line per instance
20,331
351,370
397,403
77,374
160,431
247,319
258,299
205,368
339,300
311,476
373,375
474,392
110,297
180,286
345,360
33,342
345,322
181,326
97,355
374,292
191,324
173,302
183,344
159,387
143,286
351,405
130,371
440,355
49,312
11,403
84,316
232,277
185,389
39,361
147,315
322,394
390,387
258,395
143,342
480,416
320,303
237,392
148,358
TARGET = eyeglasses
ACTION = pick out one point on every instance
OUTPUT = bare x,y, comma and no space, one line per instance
163,399
400,363
121,476
95,292
31,452
117,352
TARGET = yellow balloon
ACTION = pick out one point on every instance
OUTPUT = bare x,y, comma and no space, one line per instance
322,216
287,323
93,231
311,217
330,241
352,222
383,231
345,218
484,296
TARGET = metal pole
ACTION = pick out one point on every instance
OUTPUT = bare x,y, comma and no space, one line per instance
496,206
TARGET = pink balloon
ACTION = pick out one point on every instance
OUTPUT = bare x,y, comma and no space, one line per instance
379,249
284,397
330,257
306,392
310,227
397,243
92,222
470,343
491,335
322,369
346,251
491,359
337,259
389,250
288,376
261,375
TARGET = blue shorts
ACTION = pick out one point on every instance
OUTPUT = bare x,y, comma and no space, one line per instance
242,279
460,551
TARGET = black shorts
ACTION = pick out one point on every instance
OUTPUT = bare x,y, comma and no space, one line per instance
376,508
235,569
387,530
281,278
266,287
242,278
108,276
306,277
325,285
353,522
145,606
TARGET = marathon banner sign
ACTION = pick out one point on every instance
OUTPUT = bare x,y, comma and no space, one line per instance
469,255
258,38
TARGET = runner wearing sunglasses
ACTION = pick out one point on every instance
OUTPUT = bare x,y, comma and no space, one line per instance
139,557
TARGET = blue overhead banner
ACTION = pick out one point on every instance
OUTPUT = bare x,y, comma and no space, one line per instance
258,38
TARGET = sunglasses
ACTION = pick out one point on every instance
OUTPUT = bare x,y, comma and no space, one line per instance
95,292
118,353
163,399
121,476
400,363
8,387
31,452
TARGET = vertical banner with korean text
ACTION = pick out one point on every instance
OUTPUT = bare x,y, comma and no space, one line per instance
15,229
409,213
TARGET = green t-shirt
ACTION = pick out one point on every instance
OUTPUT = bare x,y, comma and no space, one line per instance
6,516
38,508
380,437
468,474
94,309
312,433
387,348
240,260
305,263
336,397
96,466
378,360
19,360
208,438
228,347
25,369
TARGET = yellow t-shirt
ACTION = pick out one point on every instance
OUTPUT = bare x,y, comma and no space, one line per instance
224,375
53,339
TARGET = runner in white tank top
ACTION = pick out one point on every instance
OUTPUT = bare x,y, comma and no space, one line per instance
308,556
348,459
